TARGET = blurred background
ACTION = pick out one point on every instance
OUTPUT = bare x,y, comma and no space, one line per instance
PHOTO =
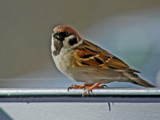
128,29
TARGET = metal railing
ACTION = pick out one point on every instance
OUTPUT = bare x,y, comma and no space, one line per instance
63,95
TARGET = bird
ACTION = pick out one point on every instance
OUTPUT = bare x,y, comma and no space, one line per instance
86,62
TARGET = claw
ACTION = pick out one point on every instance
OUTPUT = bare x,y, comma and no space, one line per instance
73,87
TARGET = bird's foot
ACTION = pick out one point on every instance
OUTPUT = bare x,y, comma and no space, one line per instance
85,86
96,85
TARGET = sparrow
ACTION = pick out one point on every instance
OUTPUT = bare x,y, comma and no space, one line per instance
83,61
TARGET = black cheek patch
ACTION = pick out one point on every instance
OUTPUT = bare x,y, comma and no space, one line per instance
73,41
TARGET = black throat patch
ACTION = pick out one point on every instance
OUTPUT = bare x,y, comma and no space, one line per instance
58,46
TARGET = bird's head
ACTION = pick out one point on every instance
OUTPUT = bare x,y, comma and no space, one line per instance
66,37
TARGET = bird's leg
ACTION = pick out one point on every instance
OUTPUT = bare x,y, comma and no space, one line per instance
96,85
85,85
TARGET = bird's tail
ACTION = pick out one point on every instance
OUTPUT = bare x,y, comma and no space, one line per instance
134,78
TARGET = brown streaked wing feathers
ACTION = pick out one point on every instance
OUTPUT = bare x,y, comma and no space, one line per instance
88,54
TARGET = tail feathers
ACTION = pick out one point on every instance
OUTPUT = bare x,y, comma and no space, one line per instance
142,82
134,78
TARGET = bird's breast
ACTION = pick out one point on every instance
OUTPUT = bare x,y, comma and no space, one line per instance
63,61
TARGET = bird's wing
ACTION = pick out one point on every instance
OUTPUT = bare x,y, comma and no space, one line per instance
89,55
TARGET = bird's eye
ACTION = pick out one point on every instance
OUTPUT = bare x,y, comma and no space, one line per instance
67,34
59,36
